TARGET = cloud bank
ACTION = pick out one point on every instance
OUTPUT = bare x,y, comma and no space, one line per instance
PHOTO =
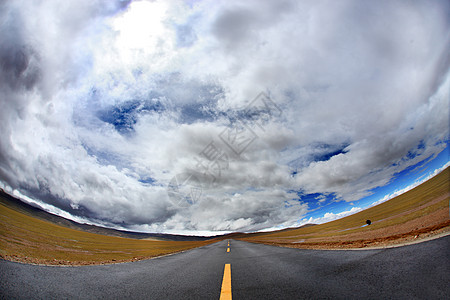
104,103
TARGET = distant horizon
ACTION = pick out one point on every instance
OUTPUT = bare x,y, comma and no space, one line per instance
310,221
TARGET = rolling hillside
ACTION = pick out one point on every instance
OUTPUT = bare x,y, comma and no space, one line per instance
28,234
29,210
418,213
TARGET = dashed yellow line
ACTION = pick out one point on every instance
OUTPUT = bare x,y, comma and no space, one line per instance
225,294
228,249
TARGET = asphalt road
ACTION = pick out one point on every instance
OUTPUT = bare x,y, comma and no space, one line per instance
257,272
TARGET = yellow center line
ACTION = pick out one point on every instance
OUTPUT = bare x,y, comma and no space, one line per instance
228,249
225,294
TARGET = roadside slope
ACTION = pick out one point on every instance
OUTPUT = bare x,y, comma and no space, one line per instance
418,213
29,210
27,239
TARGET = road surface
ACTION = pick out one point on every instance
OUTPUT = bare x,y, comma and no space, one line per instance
256,272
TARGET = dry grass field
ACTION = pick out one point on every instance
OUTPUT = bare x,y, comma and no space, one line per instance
27,239
414,215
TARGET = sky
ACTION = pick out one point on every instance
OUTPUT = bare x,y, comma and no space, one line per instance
208,117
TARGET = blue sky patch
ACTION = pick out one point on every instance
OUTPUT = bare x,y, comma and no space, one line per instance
125,115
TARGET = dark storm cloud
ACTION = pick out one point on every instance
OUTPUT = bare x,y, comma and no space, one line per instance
19,73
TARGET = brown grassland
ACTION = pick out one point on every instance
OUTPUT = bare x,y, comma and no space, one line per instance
27,239
416,214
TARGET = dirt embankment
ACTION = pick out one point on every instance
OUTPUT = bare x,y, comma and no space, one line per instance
417,215
387,241
432,225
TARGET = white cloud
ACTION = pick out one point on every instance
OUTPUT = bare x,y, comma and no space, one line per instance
104,102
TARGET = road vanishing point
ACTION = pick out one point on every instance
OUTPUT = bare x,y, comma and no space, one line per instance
233,269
